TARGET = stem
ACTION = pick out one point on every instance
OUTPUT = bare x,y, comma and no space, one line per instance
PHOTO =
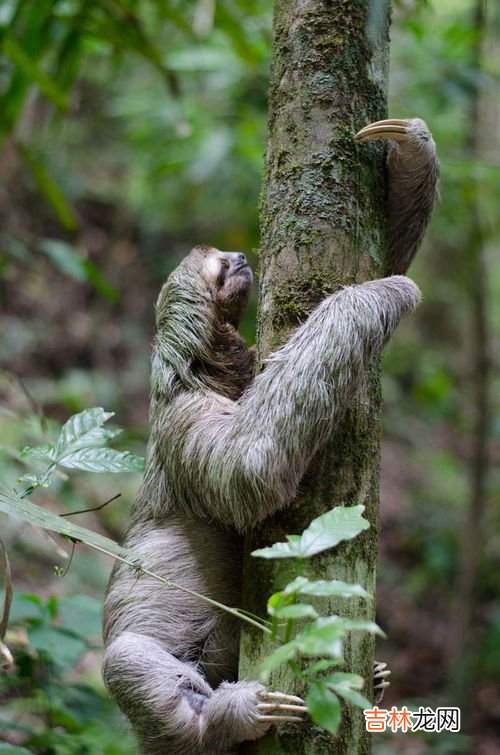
242,615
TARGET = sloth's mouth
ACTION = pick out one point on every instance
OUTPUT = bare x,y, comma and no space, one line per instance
243,266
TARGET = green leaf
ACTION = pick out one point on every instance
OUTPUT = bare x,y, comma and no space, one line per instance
99,282
45,453
323,706
277,600
36,515
50,190
319,666
294,586
296,611
81,614
97,437
70,262
64,648
278,550
65,257
324,636
33,73
341,523
81,425
353,697
347,686
34,481
343,679
360,625
6,749
279,656
324,588
26,607
102,460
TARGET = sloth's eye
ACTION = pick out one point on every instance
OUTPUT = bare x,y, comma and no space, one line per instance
224,267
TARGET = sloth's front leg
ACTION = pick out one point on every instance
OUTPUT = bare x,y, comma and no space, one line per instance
413,174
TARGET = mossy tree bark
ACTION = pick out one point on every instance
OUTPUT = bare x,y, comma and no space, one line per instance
323,226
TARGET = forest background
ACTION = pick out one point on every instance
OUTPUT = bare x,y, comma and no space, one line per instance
132,130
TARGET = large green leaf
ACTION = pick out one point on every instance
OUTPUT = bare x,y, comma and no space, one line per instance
82,614
295,611
281,655
70,262
322,639
323,706
341,523
46,453
80,446
81,427
84,429
33,72
347,686
319,666
36,515
324,636
102,460
65,258
325,588
50,190
27,607
65,649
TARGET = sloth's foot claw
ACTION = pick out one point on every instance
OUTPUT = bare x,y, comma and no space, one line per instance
272,706
380,681
275,703
278,719
280,697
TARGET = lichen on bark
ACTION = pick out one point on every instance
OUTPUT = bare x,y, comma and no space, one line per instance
323,226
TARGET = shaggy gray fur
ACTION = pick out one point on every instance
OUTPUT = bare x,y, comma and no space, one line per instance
226,451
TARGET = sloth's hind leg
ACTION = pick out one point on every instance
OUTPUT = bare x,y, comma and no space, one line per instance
174,710
162,696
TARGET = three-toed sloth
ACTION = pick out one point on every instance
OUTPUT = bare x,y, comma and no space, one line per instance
228,449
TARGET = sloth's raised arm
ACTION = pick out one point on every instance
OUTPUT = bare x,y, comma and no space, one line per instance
413,174
240,462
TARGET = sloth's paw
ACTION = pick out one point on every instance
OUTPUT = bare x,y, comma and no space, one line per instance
246,710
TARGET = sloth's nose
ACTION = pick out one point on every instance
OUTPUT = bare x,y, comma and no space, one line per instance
237,258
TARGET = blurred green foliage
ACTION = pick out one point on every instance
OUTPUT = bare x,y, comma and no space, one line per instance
49,705
133,129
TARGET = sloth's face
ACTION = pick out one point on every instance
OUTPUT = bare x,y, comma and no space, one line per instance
230,278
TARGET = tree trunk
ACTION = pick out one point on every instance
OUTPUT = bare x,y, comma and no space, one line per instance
323,226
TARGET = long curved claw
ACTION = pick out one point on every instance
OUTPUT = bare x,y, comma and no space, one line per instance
280,697
380,682
278,706
392,128
380,670
276,703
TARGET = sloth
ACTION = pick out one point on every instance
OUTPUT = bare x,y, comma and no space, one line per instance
228,449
